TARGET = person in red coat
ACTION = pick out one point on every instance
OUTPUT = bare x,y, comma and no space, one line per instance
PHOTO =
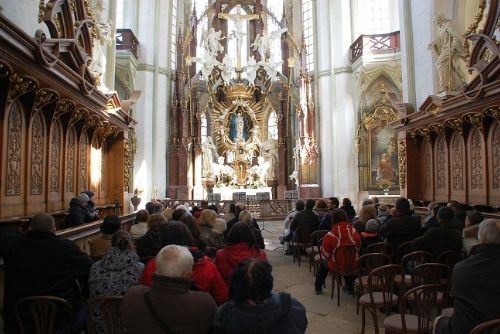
341,234
240,245
205,275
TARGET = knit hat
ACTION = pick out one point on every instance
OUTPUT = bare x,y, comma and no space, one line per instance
89,193
371,225
84,198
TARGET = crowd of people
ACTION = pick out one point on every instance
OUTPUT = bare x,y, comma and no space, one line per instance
198,264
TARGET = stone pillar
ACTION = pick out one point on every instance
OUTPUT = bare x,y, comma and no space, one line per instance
109,75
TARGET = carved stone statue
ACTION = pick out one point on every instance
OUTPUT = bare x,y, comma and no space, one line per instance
264,42
448,45
257,174
270,153
104,37
209,152
211,42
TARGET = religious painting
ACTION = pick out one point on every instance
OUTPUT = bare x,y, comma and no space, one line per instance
239,126
383,156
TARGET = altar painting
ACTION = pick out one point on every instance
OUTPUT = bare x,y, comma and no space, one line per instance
383,156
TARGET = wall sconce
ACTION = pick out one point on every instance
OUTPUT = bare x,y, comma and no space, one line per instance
291,62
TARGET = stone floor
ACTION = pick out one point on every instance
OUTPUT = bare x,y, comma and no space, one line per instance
323,314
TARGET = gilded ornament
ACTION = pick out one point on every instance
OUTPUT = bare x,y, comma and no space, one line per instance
434,109
455,124
18,86
475,23
493,112
438,129
425,133
487,55
402,163
476,119
44,97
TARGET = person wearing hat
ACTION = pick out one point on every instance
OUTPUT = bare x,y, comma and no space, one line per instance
90,213
76,211
441,238
370,235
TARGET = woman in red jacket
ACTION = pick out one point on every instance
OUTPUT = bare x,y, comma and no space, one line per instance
341,234
205,275
240,244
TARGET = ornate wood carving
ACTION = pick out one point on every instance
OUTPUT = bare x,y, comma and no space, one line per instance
20,85
70,161
441,163
37,152
402,163
455,124
44,97
495,152
427,166
475,119
457,171
55,152
476,160
84,162
14,150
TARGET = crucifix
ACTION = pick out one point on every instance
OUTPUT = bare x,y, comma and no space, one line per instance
238,33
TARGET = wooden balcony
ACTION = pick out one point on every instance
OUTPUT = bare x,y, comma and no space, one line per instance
126,40
374,45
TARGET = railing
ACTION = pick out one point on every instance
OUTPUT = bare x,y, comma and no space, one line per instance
375,44
126,40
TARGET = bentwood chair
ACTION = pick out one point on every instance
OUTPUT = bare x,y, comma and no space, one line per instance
41,314
408,262
380,295
345,258
300,241
490,326
450,257
314,249
433,273
366,264
105,309
424,302
380,247
402,250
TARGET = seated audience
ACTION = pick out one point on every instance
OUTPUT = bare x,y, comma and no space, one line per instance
220,223
231,214
333,203
299,206
430,214
240,244
100,246
321,208
367,212
168,213
376,202
475,285
370,235
90,212
383,213
119,270
76,213
255,308
208,234
460,214
189,220
41,263
180,211
400,226
341,234
169,306
432,221
246,217
206,276
469,233
140,226
239,207
305,217
348,209
150,244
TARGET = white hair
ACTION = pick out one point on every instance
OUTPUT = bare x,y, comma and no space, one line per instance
174,261
245,216
489,231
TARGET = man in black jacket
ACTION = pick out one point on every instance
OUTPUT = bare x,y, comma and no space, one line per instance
41,263
475,284
305,217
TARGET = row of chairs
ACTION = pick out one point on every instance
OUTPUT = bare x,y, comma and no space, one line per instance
40,314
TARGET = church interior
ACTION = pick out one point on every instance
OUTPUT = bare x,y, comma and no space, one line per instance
155,105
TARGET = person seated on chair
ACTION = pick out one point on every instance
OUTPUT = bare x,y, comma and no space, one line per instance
140,226
169,306
150,244
100,246
472,221
299,206
246,217
41,263
441,238
305,217
90,212
76,212
341,234
475,285
370,235
255,308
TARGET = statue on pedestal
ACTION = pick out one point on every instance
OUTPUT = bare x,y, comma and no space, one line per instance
209,152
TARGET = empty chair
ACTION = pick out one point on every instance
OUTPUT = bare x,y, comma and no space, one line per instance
380,247
300,241
450,257
41,314
366,264
487,327
314,249
424,301
403,249
380,295
109,311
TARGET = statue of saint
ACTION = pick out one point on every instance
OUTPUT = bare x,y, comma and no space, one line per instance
450,51
209,151
384,168
104,37
240,125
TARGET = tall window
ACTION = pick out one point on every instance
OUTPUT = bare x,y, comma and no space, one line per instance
173,36
272,126
276,8
308,28
377,16
201,7
119,14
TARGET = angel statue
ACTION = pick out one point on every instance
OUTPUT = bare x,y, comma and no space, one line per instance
264,42
251,70
210,42
450,54
227,68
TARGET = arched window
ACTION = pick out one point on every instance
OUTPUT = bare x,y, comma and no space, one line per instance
173,35
308,31
204,128
272,126
276,8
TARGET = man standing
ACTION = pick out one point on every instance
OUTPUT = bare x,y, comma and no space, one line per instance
475,284
169,306
41,263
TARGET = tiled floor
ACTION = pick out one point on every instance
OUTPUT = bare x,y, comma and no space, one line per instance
322,312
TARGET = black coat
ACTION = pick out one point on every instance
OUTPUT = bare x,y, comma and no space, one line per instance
76,213
439,239
476,289
41,263
400,229
149,244
90,213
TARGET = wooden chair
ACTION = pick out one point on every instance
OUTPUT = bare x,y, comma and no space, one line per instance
315,239
107,309
39,315
366,264
346,256
450,257
424,301
408,262
380,287
300,241
402,250
433,273
490,326
380,247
